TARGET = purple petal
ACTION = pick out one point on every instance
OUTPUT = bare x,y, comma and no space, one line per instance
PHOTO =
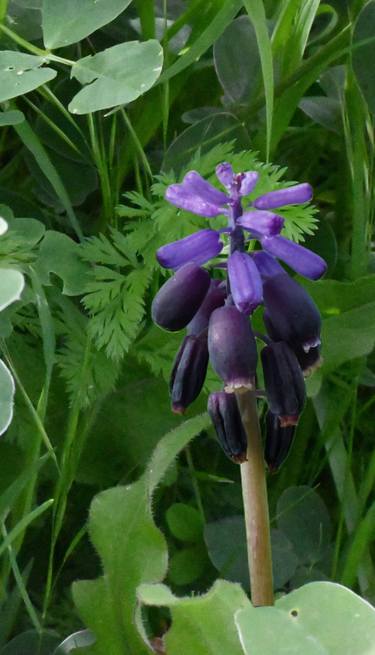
196,184
300,259
225,174
261,222
248,182
245,282
267,265
292,195
198,247
185,199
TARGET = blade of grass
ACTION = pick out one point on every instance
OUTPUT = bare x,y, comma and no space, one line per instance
362,539
204,41
34,145
21,526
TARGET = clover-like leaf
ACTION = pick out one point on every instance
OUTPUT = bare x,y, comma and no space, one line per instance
21,73
116,75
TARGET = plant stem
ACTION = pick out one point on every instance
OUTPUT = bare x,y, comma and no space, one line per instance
254,492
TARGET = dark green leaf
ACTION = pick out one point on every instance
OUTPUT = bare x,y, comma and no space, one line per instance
184,522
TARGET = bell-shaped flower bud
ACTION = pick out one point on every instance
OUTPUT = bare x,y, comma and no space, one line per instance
293,195
278,442
180,297
225,174
245,282
189,372
284,382
232,348
196,195
248,181
309,361
261,223
267,265
226,418
215,297
198,247
291,315
300,259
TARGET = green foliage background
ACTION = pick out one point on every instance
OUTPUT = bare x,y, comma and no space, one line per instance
102,105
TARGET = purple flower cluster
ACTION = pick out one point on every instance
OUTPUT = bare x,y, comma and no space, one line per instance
216,313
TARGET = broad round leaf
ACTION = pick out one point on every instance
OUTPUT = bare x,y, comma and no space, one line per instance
116,76
32,643
21,73
321,618
3,226
7,390
237,50
303,518
11,286
184,522
70,21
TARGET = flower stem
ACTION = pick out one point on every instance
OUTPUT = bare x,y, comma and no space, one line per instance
254,492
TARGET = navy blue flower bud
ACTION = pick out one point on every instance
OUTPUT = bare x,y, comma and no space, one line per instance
180,297
223,410
290,314
284,383
214,298
278,442
232,348
308,361
189,372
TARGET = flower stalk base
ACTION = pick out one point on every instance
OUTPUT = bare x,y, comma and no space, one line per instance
254,492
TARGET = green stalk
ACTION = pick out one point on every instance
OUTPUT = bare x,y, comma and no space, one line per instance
254,492
105,186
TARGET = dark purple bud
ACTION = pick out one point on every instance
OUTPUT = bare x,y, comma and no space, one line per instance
284,383
180,297
225,415
225,174
261,223
232,348
291,315
278,442
293,195
189,372
198,247
248,182
300,259
245,282
266,264
309,361
214,298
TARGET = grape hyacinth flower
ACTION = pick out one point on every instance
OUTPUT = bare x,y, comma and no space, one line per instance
217,312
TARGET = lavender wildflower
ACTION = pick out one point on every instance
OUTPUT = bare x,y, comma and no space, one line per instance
217,314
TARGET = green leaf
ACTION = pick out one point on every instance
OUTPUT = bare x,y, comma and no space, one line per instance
364,31
7,390
339,620
323,111
257,15
76,640
35,146
237,49
70,21
303,518
12,284
21,526
184,522
226,544
21,73
68,266
116,76
202,137
187,565
11,117
348,336
32,643
195,50
201,625
137,554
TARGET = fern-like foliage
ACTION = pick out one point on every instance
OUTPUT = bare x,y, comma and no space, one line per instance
115,293
88,373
